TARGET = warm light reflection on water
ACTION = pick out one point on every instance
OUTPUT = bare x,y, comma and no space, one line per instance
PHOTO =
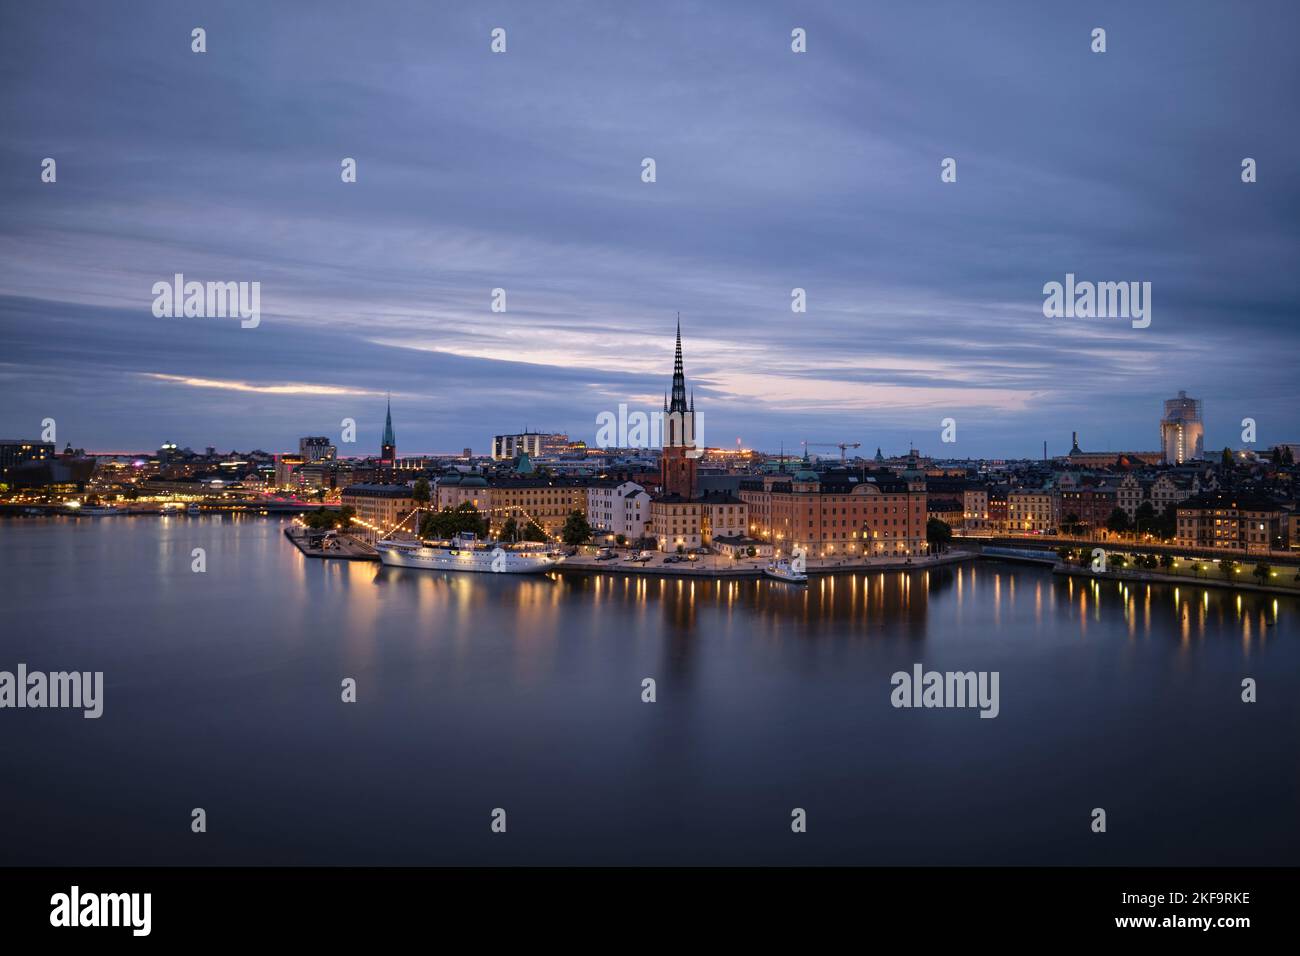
863,600
476,685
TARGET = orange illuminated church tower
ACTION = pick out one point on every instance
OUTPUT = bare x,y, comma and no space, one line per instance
677,463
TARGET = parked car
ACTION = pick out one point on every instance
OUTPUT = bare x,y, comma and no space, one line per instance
605,554
673,559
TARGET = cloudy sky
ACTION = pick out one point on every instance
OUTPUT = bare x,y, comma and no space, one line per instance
522,171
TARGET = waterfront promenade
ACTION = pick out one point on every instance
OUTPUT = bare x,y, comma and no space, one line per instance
1117,544
341,547
345,547
720,566
1196,569
1278,583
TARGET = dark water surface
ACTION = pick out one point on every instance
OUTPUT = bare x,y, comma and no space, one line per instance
222,691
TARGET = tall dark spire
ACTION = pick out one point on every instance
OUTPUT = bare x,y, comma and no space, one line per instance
388,449
678,403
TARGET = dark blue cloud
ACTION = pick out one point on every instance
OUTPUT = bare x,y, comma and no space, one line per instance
522,171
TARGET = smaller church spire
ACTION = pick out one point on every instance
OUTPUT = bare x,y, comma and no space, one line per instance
388,447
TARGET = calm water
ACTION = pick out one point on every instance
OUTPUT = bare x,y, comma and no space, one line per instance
222,691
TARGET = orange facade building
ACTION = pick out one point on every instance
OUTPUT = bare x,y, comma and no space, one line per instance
848,513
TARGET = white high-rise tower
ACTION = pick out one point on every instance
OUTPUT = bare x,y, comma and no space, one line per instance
1182,435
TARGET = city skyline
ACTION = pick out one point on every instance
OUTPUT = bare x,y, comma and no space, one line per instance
774,172
359,449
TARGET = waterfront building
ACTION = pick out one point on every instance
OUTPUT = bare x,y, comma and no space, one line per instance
540,499
204,487
59,474
723,515
1182,433
1032,510
948,510
676,522
1230,522
998,509
839,512
975,510
379,509
17,451
618,507
740,546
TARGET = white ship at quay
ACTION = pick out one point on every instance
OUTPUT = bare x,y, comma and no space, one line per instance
466,553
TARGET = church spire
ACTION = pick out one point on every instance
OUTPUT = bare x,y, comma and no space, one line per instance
388,449
678,403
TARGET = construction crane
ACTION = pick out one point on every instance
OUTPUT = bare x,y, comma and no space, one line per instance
843,446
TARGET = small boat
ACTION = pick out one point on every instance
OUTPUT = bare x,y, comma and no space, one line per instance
783,571
96,511
466,553
191,509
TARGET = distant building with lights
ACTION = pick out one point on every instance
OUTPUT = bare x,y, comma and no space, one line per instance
1106,459
285,465
17,451
1182,434
316,448
534,444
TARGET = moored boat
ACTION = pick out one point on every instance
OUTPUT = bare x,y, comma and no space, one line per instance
783,570
466,553
95,511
